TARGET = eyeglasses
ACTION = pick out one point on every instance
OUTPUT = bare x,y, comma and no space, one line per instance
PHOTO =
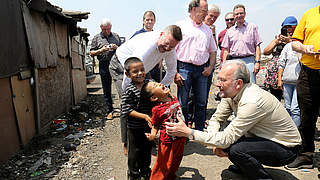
231,19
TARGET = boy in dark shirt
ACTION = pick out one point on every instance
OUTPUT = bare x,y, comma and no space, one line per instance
170,150
139,148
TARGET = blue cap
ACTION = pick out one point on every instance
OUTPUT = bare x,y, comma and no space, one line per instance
289,21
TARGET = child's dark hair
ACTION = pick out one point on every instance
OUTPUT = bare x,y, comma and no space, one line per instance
130,61
145,95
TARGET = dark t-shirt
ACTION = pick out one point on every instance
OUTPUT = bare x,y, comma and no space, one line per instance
100,40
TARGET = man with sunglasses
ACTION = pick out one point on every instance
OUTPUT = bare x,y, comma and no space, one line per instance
229,19
242,41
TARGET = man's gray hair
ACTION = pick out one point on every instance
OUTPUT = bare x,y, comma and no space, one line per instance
105,22
228,14
242,72
214,8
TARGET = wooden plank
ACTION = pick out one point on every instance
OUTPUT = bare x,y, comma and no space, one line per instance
24,108
76,61
62,38
75,45
79,85
41,38
9,137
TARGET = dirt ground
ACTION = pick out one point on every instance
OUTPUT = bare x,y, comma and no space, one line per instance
96,151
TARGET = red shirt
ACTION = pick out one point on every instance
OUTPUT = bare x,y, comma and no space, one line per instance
166,112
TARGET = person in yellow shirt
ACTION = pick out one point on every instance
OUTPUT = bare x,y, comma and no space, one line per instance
307,42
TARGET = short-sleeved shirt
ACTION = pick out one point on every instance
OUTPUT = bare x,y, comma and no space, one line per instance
197,42
130,102
100,40
308,31
242,41
166,112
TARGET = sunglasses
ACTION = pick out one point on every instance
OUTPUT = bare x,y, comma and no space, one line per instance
231,19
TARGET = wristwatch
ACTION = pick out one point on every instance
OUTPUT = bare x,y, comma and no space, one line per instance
256,61
191,136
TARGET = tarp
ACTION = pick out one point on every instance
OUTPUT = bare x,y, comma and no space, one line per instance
13,44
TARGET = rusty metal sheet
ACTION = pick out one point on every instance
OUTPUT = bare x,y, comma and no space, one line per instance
23,104
79,85
13,44
9,138
41,37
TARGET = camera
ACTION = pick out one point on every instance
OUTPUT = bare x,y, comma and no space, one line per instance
284,31
109,46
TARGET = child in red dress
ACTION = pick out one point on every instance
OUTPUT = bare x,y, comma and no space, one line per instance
170,150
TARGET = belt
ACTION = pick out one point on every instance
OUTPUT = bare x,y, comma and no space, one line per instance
240,57
192,64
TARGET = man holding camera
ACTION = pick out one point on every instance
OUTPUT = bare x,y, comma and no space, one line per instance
242,41
104,46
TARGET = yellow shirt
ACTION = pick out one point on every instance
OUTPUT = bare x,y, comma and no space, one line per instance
308,31
258,113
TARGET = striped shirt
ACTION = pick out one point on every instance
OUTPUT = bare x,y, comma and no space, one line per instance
130,102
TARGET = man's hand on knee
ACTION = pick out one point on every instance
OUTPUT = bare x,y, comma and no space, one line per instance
219,152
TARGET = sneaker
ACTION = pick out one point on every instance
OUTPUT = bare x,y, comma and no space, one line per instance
110,116
301,162
235,169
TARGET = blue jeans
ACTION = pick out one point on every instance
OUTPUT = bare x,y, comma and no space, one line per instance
249,153
250,65
193,77
291,102
106,84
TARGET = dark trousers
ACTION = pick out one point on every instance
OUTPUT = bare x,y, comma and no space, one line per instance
106,84
308,88
139,153
250,153
155,73
123,128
